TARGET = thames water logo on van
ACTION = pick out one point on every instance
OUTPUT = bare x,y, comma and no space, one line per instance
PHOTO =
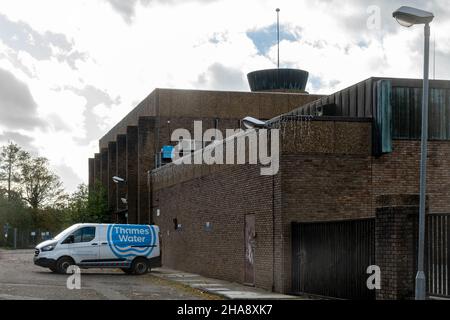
131,240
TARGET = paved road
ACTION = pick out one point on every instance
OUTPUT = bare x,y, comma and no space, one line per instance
21,279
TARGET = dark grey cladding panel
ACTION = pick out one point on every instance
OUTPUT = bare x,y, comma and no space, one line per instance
393,104
359,100
407,113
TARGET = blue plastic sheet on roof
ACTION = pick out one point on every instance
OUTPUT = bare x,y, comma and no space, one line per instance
167,152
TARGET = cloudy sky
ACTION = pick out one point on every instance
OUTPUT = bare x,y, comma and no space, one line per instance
69,70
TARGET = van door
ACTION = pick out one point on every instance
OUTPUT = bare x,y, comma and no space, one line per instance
83,245
120,244
106,254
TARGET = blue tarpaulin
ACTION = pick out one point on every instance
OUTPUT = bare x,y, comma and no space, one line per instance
167,152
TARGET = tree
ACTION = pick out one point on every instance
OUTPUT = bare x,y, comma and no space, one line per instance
88,206
78,205
13,211
11,157
97,205
40,187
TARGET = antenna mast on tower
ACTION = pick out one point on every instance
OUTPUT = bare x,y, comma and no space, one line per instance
278,35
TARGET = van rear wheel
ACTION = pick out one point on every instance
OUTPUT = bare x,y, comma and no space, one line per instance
63,263
127,270
140,266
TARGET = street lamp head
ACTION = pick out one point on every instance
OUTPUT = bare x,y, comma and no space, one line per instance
408,16
278,10
253,123
118,179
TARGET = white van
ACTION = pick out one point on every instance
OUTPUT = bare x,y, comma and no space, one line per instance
133,248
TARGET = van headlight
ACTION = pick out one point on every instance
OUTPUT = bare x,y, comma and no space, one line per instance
50,247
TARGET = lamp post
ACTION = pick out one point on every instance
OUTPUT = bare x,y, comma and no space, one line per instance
407,17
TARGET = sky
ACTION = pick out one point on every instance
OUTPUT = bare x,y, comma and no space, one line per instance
70,70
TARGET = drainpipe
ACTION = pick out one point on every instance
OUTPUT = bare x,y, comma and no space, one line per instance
150,197
273,233
273,225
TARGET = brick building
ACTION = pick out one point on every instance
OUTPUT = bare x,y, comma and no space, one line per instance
129,149
343,199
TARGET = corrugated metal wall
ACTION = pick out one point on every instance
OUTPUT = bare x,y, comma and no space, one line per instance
407,113
395,106
362,100
355,101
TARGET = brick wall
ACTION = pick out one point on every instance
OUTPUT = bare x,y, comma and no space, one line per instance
171,109
173,103
104,168
327,173
97,173
146,162
112,169
302,191
132,173
395,242
325,176
222,198
121,170
398,172
91,165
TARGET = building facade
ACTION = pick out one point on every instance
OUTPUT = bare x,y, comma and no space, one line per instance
131,148
344,198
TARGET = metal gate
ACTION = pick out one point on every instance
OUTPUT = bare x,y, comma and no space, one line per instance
438,254
331,258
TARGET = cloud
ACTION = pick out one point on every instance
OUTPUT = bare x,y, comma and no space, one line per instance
13,57
19,36
69,177
24,141
127,8
351,16
94,97
17,106
316,83
220,77
266,37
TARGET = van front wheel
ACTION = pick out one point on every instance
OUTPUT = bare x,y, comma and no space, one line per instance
140,266
62,264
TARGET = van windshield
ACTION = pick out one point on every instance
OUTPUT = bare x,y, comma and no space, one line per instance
66,232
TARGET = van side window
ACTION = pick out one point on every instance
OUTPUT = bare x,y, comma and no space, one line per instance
86,234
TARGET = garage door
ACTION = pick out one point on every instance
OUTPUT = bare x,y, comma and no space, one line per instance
331,258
